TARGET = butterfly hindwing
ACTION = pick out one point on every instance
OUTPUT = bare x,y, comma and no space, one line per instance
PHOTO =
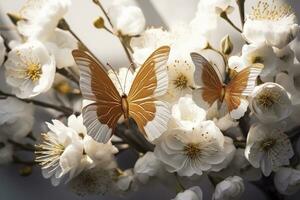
102,115
150,82
241,85
211,89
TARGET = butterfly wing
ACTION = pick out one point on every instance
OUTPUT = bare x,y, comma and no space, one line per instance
100,117
241,85
150,82
206,76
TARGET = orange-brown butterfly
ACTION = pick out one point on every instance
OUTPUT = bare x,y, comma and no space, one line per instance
213,89
141,104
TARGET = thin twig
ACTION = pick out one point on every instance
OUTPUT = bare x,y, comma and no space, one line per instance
241,5
225,17
64,25
24,162
119,35
67,111
25,147
64,72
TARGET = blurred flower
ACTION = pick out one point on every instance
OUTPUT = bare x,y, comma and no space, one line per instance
270,102
229,150
127,20
16,118
268,148
240,166
2,50
59,153
126,181
95,181
147,167
193,193
149,40
6,151
287,180
256,53
190,152
41,17
102,154
61,44
29,69
272,23
186,114
229,189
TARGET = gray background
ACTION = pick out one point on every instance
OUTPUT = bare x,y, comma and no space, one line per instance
81,16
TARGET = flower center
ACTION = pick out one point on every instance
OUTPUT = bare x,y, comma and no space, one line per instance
267,144
181,81
268,98
192,151
34,71
264,11
49,151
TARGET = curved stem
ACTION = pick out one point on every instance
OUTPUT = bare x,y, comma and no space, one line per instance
225,17
241,5
120,36
67,111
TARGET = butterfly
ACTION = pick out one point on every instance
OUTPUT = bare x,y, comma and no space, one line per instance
140,103
213,89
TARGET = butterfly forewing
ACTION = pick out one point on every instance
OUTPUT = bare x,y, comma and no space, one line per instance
241,85
211,89
100,117
150,82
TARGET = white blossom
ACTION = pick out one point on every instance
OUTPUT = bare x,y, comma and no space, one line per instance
60,153
256,53
287,180
127,19
180,67
61,44
229,150
29,69
229,189
186,114
272,23
190,152
16,118
268,148
193,193
40,17
2,50
147,167
270,102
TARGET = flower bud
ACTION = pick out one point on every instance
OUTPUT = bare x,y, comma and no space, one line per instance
99,23
226,45
270,102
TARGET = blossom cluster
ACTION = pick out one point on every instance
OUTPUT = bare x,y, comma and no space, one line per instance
203,140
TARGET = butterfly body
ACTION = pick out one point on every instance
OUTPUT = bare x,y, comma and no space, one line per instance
139,103
232,92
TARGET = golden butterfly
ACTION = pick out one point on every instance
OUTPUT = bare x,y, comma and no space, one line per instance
141,104
212,88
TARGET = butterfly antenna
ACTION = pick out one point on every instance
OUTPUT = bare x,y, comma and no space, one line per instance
116,76
130,67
